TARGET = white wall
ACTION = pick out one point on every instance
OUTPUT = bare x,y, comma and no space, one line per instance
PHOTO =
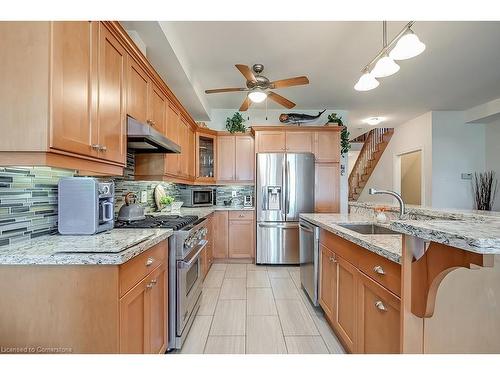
492,157
413,135
457,148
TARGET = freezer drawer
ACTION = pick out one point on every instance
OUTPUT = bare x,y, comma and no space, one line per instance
278,243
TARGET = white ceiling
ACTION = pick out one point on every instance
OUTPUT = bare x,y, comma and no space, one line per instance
458,70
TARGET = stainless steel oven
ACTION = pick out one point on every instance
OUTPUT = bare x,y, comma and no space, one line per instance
189,281
198,197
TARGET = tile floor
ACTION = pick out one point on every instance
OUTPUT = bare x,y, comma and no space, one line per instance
258,310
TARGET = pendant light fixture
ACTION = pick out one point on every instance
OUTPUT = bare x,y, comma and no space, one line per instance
404,46
407,47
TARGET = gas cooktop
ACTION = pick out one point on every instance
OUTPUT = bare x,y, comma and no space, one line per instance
174,222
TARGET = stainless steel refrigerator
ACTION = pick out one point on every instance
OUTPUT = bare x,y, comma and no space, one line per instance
284,189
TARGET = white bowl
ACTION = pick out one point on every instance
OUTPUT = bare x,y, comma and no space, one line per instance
176,206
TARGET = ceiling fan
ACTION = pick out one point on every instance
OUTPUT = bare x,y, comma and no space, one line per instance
258,87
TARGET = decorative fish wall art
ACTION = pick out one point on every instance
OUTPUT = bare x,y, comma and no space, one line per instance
299,118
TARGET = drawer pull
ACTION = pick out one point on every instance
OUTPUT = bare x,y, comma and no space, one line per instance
379,270
379,305
149,262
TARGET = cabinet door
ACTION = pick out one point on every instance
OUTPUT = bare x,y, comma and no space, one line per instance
158,300
173,130
191,157
345,316
220,248
241,239
378,318
184,157
328,282
299,141
73,70
327,187
111,116
138,92
135,320
157,109
225,158
271,141
244,158
327,147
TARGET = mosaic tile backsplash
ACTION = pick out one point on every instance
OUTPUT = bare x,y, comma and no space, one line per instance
28,202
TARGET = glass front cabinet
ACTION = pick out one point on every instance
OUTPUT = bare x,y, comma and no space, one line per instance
205,156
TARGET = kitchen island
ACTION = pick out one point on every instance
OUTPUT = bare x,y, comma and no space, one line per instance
449,279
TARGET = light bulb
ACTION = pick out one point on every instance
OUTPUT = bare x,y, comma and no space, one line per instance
257,96
385,67
374,120
407,47
366,82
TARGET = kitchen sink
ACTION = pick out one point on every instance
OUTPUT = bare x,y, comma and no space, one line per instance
367,229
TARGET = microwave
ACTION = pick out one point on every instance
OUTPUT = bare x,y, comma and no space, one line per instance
199,197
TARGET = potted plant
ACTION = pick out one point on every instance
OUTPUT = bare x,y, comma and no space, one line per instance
235,124
333,119
166,202
345,145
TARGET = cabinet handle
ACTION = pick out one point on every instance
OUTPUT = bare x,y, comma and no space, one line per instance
96,147
379,270
149,285
241,215
103,148
154,281
380,305
332,259
149,262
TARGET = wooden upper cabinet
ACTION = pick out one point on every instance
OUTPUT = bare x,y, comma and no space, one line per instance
345,320
327,146
328,282
173,119
327,187
378,317
271,141
244,158
73,77
226,158
297,141
138,92
157,113
184,143
191,146
111,113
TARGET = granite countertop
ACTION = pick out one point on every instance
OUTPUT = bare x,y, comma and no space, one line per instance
387,245
113,247
202,211
481,237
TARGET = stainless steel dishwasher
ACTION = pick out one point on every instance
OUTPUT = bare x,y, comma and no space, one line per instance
309,259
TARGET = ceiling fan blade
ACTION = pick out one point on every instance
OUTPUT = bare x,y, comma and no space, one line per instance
246,103
246,71
229,89
280,100
295,81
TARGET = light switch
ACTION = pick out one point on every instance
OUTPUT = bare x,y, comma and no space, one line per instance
144,196
233,194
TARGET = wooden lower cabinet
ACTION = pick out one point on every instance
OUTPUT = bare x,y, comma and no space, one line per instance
362,312
328,282
220,243
378,318
345,317
241,239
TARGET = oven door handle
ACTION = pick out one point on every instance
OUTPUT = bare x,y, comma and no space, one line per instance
189,263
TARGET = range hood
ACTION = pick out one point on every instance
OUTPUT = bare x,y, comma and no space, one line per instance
143,139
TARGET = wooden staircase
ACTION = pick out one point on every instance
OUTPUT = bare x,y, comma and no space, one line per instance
375,143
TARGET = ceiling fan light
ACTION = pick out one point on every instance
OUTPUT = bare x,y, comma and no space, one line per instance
257,96
366,82
408,46
385,67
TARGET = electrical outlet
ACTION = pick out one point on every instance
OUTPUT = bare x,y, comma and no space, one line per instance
233,194
144,196
466,176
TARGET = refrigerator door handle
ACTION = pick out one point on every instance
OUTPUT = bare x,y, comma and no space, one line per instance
287,197
284,226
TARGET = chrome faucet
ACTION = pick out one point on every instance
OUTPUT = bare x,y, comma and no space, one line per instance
402,209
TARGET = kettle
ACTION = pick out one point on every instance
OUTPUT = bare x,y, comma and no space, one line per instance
131,211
